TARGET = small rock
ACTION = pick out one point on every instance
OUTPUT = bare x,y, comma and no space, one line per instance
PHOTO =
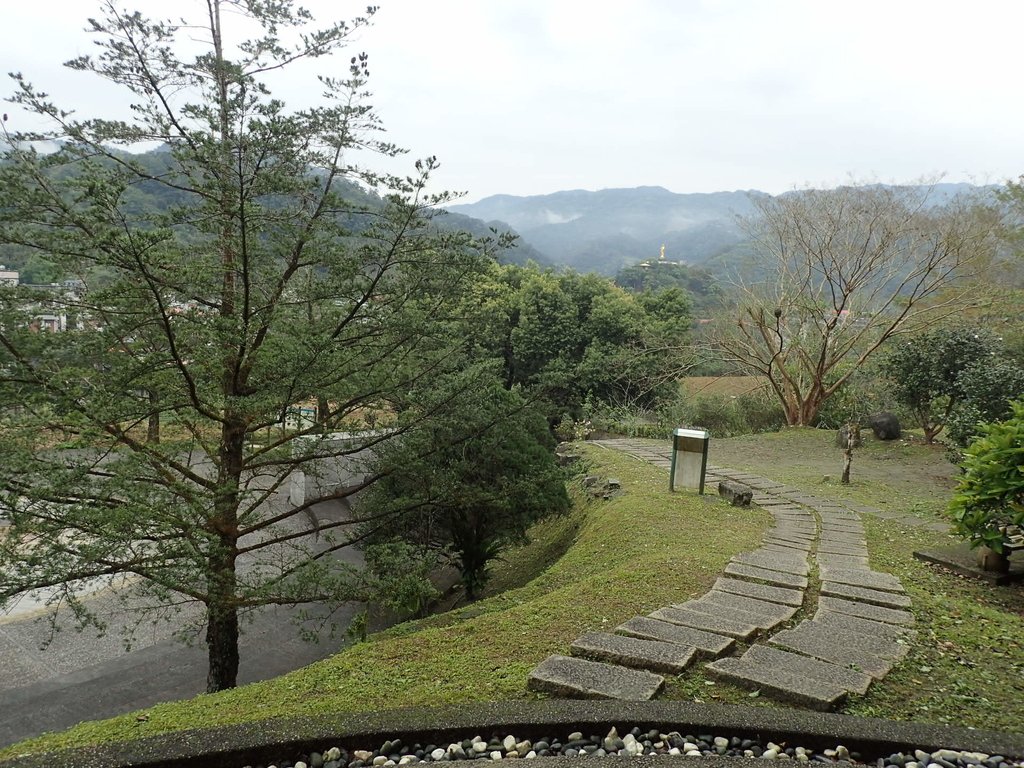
511,755
721,741
523,747
570,752
437,754
360,754
406,759
575,736
530,755
316,760
842,753
481,746
381,759
301,764
631,745
675,751
770,754
496,755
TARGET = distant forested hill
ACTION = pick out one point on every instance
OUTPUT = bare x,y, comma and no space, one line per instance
610,229
606,230
156,197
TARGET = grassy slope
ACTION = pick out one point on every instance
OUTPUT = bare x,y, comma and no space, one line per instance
632,554
643,550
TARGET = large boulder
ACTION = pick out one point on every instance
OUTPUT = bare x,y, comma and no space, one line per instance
885,425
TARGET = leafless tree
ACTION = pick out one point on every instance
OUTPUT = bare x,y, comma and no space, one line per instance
840,271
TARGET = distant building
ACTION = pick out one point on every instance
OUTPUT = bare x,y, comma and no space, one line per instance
8,276
661,261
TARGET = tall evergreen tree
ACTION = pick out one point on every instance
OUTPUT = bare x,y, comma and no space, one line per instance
266,286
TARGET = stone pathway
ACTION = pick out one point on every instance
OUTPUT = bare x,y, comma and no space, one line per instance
854,626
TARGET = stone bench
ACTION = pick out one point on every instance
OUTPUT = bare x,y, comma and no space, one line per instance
737,494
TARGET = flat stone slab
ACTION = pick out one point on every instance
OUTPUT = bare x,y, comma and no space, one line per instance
652,655
861,577
774,540
767,615
841,562
707,643
865,611
848,550
774,501
760,591
783,548
719,625
860,594
844,623
796,689
833,650
786,533
882,646
773,562
843,540
573,678
764,574
805,666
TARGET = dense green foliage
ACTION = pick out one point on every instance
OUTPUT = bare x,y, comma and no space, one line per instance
569,339
990,494
471,486
931,373
700,285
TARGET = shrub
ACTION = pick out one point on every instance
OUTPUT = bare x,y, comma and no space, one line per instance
990,495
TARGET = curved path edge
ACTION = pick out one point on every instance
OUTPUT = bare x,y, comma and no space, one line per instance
279,739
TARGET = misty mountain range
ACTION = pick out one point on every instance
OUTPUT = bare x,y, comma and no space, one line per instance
606,230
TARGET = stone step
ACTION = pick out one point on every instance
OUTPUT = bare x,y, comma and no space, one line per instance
832,649
861,577
706,643
773,562
827,562
871,596
796,664
765,615
865,611
727,612
835,549
842,622
760,591
569,677
744,571
652,655
858,633
770,542
719,625
795,689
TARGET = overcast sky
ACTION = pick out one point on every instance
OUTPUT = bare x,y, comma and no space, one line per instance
535,96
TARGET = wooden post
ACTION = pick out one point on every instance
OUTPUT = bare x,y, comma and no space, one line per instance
852,434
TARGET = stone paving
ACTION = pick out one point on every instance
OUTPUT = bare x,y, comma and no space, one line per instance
859,628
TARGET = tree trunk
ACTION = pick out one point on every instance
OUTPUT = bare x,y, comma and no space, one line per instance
222,642
852,438
153,425
222,600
